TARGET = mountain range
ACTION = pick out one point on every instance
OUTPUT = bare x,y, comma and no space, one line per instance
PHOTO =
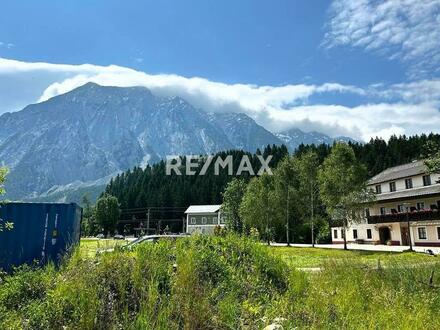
75,142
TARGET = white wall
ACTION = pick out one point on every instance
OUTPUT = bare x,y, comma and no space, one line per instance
431,231
201,229
361,233
395,232
400,183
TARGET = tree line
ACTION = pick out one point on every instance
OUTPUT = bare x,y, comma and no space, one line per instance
295,196
152,187
297,202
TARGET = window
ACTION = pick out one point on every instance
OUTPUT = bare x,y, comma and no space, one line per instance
383,210
367,212
335,233
222,220
400,208
378,189
355,234
420,205
426,180
369,235
393,186
438,232
422,232
342,233
408,183
204,220
214,220
193,221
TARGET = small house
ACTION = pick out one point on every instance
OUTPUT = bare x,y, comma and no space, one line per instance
204,218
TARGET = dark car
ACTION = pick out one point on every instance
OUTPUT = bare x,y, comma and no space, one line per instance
155,238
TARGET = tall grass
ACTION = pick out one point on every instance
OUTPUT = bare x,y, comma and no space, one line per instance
349,295
215,283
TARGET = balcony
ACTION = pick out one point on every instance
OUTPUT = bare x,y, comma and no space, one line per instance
423,215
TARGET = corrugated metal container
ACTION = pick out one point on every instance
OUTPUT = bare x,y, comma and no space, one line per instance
42,232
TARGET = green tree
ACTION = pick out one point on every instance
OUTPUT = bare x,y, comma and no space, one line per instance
286,198
307,166
232,198
3,173
342,185
432,154
322,228
107,213
4,225
257,208
89,225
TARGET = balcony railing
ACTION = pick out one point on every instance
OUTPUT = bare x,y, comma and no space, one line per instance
424,215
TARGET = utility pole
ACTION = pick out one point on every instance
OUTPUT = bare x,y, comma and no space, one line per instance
287,218
267,227
345,233
148,222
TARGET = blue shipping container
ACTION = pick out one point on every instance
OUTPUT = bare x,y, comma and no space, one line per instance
41,232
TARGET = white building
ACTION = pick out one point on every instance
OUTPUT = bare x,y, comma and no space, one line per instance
405,192
203,218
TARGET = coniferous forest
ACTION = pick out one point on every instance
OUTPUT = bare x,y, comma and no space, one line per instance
151,187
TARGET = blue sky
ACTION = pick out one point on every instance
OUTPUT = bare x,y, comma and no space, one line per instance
316,65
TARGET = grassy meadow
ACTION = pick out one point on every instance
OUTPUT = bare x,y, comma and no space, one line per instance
304,257
223,283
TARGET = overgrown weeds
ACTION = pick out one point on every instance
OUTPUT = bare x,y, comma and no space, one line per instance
216,283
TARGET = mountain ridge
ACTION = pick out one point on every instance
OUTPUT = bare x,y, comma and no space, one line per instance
93,131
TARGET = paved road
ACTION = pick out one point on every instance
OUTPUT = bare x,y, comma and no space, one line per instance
366,247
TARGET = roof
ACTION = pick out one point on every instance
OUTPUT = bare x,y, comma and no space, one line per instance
398,172
415,192
194,209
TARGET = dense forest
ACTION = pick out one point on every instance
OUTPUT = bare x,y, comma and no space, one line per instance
151,187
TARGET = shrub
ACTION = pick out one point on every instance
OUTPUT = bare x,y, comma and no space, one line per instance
217,282
196,283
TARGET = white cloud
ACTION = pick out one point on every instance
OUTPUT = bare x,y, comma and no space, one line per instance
403,108
407,30
416,91
364,121
6,45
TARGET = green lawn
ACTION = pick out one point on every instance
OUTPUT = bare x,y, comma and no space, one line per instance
90,246
299,257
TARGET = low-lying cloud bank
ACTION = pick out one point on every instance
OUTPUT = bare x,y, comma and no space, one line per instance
407,108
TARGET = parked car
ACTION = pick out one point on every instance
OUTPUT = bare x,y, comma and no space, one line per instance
155,238
100,236
119,237
147,239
